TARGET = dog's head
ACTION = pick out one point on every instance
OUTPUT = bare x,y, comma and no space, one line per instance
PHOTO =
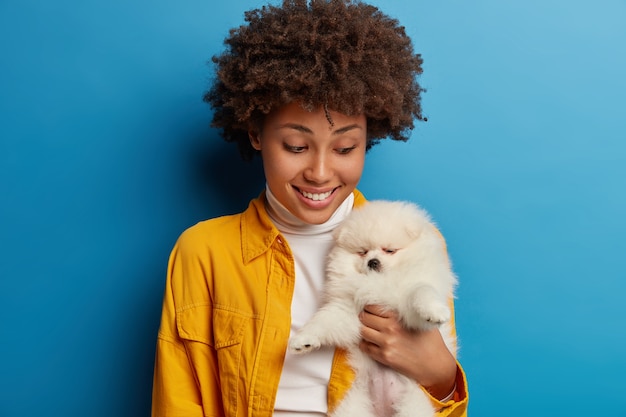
379,233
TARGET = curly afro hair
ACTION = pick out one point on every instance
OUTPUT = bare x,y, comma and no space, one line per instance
340,54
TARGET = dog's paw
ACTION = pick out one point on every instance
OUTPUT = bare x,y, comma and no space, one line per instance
427,314
301,343
434,314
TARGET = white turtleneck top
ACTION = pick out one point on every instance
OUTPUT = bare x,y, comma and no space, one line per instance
302,390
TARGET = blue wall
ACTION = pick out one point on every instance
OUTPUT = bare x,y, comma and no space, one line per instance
106,156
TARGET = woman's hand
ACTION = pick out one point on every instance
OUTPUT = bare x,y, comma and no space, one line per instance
419,355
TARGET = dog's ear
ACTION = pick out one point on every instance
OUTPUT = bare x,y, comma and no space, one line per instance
414,230
417,222
343,234
338,233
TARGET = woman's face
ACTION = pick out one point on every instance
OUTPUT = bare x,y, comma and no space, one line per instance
310,165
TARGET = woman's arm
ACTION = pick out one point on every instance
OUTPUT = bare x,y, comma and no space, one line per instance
176,391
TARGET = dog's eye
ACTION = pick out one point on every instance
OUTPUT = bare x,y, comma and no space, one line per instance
390,251
362,252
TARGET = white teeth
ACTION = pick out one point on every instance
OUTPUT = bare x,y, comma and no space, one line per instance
316,197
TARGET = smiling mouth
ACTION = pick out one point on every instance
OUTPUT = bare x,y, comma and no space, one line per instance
316,196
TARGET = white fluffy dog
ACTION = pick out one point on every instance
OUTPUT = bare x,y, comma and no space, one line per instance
387,253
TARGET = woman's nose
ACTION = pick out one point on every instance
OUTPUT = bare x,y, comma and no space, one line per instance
319,170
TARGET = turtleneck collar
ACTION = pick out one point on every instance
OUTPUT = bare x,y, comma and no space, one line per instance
286,222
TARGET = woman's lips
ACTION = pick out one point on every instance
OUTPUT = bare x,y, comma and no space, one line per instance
316,196
316,199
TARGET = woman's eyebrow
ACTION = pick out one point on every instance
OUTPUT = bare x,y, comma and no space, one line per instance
296,126
304,129
345,129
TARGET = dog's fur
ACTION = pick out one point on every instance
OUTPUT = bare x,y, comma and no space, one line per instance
387,253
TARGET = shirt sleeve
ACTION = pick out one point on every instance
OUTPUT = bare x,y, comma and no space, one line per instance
175,391
456,404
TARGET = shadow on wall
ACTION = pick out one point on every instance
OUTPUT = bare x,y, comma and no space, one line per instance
224,181
133,381
209,179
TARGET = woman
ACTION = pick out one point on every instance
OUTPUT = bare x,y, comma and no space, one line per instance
310,88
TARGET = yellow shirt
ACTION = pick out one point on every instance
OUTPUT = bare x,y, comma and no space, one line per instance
226,320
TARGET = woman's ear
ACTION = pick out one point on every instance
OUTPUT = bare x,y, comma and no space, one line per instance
255,139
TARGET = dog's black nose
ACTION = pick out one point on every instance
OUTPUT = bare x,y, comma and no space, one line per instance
374,264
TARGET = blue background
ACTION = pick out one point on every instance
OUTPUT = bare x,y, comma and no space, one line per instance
106,156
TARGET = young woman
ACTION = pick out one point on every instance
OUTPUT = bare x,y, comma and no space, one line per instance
308,86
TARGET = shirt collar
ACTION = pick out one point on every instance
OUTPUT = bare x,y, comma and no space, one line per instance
258,232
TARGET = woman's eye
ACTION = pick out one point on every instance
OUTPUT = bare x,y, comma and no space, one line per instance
390,251
344,151
295,149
